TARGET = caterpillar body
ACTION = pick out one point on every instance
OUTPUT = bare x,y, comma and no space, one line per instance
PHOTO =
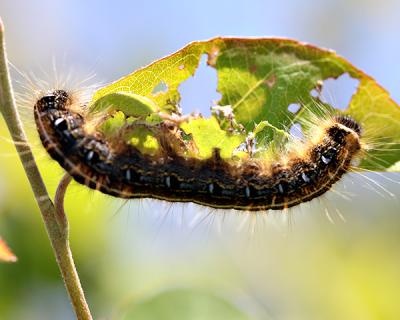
251,185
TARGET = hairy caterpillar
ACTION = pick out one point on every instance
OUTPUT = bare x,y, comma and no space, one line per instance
252,185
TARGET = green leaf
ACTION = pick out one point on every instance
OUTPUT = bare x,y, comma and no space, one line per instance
265,124
171,71
112,125
129,103
143,139
182,304
204,131
259,78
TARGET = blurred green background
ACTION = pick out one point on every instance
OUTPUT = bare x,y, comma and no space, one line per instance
145,260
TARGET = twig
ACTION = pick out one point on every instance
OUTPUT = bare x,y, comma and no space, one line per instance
56,228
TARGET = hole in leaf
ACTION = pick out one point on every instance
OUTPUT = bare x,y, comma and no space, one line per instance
338,92
160,87
296,131
294,107
198,93
314,93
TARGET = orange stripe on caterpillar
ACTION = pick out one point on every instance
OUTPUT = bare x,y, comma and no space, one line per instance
251,185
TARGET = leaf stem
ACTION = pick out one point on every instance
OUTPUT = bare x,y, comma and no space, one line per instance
59,204
57,232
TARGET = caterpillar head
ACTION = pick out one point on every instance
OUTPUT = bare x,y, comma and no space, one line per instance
346,132
53,100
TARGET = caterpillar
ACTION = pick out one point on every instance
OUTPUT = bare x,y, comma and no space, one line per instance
252,184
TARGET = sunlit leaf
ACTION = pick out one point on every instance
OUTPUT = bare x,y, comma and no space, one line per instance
129,103
259,79
205,130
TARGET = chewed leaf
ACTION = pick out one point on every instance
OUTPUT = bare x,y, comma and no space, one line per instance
208,135
6,255
259,79
113,124
170,71
143,140
265,124
129,103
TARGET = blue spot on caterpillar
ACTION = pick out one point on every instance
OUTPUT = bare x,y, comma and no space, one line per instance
251,185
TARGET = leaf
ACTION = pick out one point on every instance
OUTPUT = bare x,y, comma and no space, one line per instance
395,167
143,139
259,78
112,125
183,304
6,255
129,103
205,130
265,124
